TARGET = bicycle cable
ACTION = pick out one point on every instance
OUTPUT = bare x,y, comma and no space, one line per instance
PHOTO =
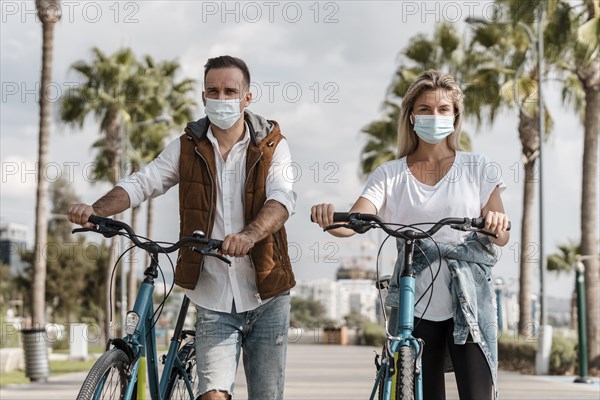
429,266
159,309
111,281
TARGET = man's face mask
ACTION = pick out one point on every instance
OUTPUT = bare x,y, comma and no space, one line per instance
223,113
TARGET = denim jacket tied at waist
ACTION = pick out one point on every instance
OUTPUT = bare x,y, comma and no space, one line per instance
473,300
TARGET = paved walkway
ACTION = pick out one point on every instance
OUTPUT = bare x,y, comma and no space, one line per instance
316,372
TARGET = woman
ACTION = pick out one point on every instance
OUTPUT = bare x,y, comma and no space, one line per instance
433,179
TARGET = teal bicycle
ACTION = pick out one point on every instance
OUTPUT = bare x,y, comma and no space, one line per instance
119,372
399,373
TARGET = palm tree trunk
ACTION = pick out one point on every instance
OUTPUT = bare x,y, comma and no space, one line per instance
589,216
527,257
41,211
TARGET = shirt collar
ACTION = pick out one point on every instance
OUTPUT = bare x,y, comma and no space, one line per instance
244,141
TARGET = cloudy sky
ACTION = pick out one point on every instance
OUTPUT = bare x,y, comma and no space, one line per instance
319,68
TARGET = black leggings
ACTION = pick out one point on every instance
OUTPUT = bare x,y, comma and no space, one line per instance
471,370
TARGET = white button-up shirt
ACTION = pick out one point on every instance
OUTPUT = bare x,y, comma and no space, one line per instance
219,286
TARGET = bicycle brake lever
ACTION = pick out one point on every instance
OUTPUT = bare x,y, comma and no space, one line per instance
468,228
207,253
495,236
461,227
79,230
103,230
356,228
220,257
335,226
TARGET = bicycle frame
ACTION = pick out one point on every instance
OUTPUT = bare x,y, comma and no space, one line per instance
135,353
385,379
403,330
142,342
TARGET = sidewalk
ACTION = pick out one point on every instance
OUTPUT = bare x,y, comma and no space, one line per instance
328,372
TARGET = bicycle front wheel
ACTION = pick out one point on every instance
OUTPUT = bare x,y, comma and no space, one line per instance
405,370
177,388
107,379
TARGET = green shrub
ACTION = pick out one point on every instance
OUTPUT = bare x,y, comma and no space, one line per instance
516,356
373,334
520,356
563,356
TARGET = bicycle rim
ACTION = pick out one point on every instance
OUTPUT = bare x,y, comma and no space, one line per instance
184,379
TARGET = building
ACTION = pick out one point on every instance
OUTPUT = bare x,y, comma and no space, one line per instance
353,292
13,238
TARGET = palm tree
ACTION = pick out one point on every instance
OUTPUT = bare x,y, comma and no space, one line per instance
110,90
49,14
562,262
576,43
168,105
505,46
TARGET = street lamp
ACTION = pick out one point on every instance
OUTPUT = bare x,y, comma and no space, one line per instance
579,268
545,333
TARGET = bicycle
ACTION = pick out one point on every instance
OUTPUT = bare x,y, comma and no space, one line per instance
116,374
399,372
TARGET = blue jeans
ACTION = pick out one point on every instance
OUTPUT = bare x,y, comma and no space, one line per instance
261,333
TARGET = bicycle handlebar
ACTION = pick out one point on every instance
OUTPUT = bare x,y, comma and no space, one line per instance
456,223
109,227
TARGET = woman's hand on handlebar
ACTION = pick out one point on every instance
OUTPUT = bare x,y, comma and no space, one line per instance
80,213
322,214
497,222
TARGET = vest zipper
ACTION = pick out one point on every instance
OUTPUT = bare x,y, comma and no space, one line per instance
244,206
212,190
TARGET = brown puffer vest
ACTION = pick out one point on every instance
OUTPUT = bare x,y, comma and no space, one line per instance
197,199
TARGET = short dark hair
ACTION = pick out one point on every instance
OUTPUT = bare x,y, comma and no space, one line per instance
228,62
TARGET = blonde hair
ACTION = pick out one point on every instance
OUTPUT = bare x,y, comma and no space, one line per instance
428,81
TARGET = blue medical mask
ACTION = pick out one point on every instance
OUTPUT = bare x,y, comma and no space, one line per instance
433,128
223,113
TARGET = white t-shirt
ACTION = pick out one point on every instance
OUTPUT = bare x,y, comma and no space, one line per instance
400,198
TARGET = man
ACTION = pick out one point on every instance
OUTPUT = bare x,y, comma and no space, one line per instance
229,166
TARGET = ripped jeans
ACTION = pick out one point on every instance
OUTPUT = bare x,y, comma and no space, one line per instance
261,334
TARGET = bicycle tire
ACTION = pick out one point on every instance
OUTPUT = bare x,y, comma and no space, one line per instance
176,387
109,373
405,370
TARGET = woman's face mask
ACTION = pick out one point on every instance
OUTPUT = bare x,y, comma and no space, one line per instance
433,128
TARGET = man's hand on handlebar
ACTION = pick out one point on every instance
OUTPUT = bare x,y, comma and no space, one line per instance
80,213
237,245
